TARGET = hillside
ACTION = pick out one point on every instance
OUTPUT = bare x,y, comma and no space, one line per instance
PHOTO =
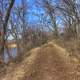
48,62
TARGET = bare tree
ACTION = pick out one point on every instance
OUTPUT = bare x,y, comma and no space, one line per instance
70,9
49,8
5,25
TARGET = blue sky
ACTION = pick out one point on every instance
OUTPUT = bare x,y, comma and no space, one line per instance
32,11
17,2
32,16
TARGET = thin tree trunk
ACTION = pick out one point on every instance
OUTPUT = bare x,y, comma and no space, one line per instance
5,26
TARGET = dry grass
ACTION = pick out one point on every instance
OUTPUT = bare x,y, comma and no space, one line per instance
49,62
72,46
16,72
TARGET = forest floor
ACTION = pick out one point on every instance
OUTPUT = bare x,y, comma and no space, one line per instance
48,62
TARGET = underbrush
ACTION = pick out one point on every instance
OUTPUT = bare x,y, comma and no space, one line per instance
72,46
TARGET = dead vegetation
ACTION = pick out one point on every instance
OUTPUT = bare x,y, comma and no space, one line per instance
72,46
48,62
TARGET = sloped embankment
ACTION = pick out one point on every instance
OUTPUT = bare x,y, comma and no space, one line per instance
49,62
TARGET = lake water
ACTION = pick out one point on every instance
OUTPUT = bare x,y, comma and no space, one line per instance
13,54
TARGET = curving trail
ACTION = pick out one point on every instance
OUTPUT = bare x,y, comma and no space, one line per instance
49,62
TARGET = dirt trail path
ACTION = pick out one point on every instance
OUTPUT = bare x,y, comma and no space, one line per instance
53,63
50,62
